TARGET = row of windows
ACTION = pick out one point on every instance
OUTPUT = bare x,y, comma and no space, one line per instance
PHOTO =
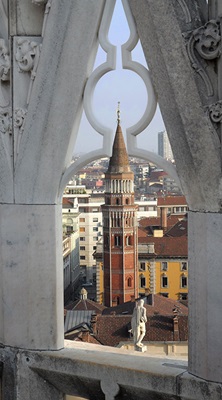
82,229
117,222
165,282
87,210
182,209
118,240
182,296
117,201
183,266
164,266
83,248
83,239
84,220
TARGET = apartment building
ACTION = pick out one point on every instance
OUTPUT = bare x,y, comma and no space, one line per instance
164,148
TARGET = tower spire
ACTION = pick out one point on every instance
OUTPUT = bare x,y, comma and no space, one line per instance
120,250
119,161
118,113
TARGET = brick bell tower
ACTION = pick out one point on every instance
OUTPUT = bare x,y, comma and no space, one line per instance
120,242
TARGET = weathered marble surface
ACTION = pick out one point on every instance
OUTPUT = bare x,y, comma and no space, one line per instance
90,371
193,139
184,99
205,283
31,285
36,144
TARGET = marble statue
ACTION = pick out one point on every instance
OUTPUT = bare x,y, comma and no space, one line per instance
138,323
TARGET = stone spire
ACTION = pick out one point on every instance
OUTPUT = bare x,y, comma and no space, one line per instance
119,161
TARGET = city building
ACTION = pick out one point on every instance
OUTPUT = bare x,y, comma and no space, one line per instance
82,212
164,147
162,252
72,273
89,225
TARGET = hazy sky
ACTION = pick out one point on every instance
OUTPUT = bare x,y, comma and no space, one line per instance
119,85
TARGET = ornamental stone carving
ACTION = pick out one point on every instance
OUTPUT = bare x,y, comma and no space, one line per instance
27,55
207,40
204,44
19,117
215,112
4,74
6,122
4,61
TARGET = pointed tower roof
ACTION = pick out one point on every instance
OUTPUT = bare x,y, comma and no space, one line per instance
119,161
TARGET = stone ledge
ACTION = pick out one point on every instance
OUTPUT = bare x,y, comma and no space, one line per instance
82,369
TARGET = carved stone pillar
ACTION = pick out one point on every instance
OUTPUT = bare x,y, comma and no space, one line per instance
41,87
182,49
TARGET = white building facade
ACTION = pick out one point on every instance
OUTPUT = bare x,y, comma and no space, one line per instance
164,147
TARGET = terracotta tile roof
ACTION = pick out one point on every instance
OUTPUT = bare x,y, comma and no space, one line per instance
167,246
142,232
149,221
114,324
81,305
171,201
147,225
155,304
179,229
156,175
66,201
174,218
113,329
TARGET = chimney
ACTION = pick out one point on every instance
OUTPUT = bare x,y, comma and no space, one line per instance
176,336
163,218
93,322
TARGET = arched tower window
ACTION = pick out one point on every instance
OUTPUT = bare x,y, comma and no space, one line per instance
128,240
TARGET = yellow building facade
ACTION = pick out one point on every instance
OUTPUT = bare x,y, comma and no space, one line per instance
168,277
